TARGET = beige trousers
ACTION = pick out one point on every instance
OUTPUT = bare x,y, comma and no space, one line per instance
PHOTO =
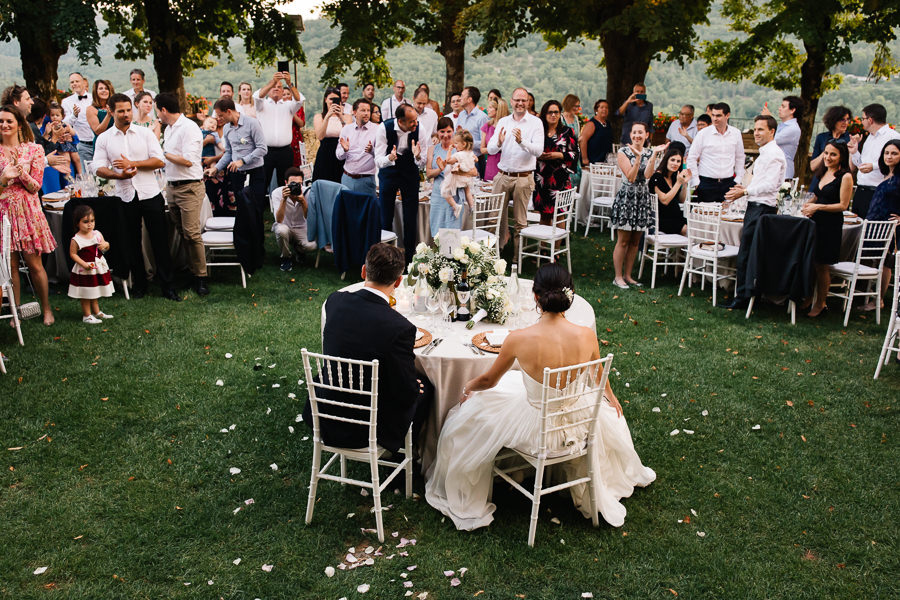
519,190
185,202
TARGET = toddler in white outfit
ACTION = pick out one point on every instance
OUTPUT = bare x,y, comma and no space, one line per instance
462,161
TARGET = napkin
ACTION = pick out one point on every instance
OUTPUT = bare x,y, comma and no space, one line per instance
496,337
419,335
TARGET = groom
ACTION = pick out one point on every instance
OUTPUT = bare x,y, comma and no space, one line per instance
362,325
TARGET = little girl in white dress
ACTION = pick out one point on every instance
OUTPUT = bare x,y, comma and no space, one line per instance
90,278
462,161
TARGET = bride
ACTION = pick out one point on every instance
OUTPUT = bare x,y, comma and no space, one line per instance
502,409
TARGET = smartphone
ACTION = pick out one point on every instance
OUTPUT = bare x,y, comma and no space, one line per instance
283,66
641,96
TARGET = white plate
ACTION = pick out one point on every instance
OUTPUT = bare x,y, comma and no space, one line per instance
60,196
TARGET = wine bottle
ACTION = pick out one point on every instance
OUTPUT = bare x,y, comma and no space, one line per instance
463,293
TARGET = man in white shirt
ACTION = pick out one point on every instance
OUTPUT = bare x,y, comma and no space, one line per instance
75,107
130,154
427,119
762,199
344,90
290,219
276,117
716,159
137,86
389,106
399,157
519,138
788,135
356,147
185,191
684,128
875,122
472,119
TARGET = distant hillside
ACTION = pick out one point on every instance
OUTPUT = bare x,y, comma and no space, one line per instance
547,73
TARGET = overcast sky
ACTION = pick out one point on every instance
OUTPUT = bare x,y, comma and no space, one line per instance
309,9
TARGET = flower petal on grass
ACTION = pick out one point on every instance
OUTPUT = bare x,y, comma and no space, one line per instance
455,582
236,562
655,409
449,573
292,395
290,429
268,568
329,571
756,427
273,466
689,431
362,588
40,570
228,355
674,432
234,470
704,413
219,382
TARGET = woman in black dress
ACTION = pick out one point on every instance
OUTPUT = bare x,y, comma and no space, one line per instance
556,165
832,190
669,183
328,127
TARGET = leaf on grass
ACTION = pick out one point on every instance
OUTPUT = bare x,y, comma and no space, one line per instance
674,593
803,437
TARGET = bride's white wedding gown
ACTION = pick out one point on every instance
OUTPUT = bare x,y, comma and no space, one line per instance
508,416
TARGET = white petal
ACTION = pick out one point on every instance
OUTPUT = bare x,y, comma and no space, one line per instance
674,432
272,366
689,431
350,559
404,575
587,595
267,568
364,492
411,567
292,395
276,385
236,561
463,571
273,466
228,355
663,395
219,382
40,570
237,510
704,412
395,533
422,596
249,501
232,426
628,385
299,382
408,593
407,584
223,430
268,410
234,470
369,562
209,582
298,418
329,571
555,521
693,512
363,588
290,429
755,427
562,541
701,534
370,549
304,438
655,409
449,573
351,515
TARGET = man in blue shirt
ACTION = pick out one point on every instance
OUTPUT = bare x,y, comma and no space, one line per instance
471,118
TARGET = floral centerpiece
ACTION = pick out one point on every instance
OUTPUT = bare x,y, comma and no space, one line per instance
478,261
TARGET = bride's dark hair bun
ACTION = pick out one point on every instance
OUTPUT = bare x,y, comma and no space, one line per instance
553,288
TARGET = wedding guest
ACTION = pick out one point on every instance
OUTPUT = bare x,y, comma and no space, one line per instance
531,105
361,325
328,125
472,119
836,120
788,135
832,188
368,92
356,148
885,206
684,128
398,156
670,183
146,117
218,186
556,165
298,122
52,181
703,121
455,107
62,136
290,219
596,140
376,114
344,91
185,191
762,198
226,90
99,113
502,408
496,111
441,214
869,176
519,138
716,158
130,155
389,106
21,175
75,106
245,104
571,105
635,109
137,79
495,96
276,117
630,213
427,117
431,102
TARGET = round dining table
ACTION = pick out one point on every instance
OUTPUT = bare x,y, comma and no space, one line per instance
452,362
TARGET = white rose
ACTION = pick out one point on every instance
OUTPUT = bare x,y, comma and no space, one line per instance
500,265
785,186
475,271
445,274
464,259
491,294
423,269
493,279
422,247
458,253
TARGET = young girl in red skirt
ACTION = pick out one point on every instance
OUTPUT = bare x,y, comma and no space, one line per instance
90,278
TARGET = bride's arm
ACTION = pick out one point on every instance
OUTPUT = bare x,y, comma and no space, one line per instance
504,362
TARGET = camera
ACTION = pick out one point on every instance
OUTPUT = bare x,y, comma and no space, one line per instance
295,188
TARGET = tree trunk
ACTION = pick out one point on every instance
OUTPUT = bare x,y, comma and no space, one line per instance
627,62
454,52
812,72
167,51
40,59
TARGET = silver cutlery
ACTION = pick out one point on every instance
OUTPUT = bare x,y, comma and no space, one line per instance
476,349
473,349
434,345
428,346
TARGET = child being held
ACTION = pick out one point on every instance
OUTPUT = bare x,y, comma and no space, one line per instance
90,278
62,135
462,161
211,143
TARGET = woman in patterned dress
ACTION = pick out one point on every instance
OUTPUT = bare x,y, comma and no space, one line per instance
631,209
21,174
556,165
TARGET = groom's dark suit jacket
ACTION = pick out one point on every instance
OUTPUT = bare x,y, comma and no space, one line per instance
362,326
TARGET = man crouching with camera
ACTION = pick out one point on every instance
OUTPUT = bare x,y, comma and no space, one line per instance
290,218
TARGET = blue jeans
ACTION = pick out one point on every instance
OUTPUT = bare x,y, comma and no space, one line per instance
363,185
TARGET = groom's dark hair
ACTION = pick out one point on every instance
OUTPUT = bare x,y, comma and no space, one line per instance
384,264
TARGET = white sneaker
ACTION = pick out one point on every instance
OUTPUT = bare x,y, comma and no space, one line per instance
91,319
103,315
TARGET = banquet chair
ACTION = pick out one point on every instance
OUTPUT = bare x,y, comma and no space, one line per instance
892,337
603,193
570,399
549,241
658,244
603,169
360,379
704,251
872,249
218,241
487,217
6,287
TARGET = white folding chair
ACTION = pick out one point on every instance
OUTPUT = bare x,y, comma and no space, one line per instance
873,247
570,400
704,251
658,244
357,378
892,337
219,243
603,193
6,287
487,216
603,169
549,241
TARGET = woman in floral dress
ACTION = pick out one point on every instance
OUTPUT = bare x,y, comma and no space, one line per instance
556,165
21,174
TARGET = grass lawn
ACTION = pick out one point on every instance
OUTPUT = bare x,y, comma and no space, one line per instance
122,484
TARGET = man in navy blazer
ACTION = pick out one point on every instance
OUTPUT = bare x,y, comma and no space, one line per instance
362,325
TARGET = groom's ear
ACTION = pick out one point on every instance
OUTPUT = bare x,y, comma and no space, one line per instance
363,272
397,283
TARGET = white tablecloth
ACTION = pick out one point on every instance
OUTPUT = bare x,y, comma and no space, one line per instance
452,364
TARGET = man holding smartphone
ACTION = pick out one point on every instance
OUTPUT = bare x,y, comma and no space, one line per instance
635,109
276,117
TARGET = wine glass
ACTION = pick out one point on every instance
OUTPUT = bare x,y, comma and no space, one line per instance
433,304
445,299
529,306
515,305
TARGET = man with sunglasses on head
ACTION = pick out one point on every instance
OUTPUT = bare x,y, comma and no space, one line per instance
875,122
